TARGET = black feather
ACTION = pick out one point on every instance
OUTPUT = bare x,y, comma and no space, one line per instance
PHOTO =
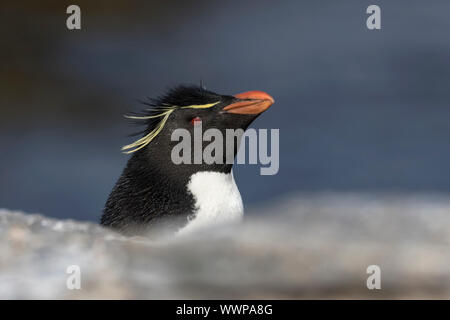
179,96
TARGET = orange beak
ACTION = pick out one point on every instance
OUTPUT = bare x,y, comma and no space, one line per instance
252,102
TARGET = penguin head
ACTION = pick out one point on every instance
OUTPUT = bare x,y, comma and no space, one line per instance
187,107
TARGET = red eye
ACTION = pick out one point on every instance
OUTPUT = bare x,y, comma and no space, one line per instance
196,120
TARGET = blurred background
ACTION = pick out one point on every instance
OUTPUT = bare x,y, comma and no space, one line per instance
358,110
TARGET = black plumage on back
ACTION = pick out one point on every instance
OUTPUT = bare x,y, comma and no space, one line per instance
144,199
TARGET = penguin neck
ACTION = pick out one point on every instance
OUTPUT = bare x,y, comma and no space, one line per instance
193,196
157,162
217,200
210,190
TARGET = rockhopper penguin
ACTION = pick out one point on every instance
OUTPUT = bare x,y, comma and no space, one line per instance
154,193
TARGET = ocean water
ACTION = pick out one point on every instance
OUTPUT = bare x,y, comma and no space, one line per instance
302,246
358,110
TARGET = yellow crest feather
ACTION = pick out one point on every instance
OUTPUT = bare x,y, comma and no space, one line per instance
142,142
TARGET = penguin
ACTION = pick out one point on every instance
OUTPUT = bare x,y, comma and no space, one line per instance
154,194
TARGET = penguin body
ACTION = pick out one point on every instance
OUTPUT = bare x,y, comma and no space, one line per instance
217,200
154,194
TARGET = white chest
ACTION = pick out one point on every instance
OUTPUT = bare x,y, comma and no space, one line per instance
217,200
